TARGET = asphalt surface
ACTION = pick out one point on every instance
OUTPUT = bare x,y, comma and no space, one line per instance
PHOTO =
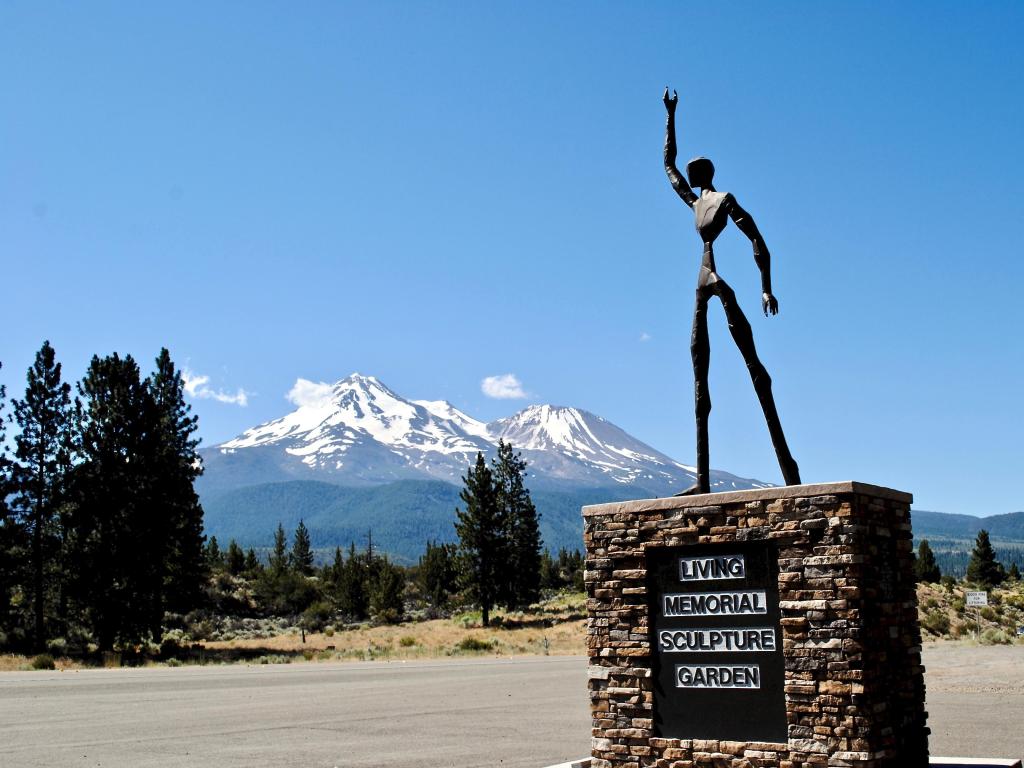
528,712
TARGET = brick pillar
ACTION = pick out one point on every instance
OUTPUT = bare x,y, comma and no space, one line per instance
810,641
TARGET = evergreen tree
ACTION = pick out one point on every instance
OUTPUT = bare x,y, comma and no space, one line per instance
302,551
522,573
234,561
352,597
483,547
983,569
1014,573
548,572
386,591
438,573
9,529
252,563
279,556
213,556
176,467
120,544
925,567
43,462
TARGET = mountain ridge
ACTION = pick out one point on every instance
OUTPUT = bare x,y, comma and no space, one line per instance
357,431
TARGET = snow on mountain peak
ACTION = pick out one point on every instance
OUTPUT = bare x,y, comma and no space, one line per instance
359,429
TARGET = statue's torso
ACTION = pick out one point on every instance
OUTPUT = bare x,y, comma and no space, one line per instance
711,212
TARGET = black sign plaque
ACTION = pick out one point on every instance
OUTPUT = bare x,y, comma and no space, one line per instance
716,642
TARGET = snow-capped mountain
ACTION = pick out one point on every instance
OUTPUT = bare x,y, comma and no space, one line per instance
365,434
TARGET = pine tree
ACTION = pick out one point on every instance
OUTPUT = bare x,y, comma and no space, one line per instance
483,548
386,592
120,547
925,567
1014,573
252,563
302,551
983,569
352,597
43,462
437,573
279,556
522,532
213,556
176,468
9,528
234,560
548,572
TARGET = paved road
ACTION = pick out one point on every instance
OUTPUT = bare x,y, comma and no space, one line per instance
530,713
527,712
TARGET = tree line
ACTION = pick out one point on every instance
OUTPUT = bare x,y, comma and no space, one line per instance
983,568
497,560
101,531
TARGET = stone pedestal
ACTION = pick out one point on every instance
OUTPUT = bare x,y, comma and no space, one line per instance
774,627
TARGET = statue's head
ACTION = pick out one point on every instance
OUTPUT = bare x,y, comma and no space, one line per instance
700,171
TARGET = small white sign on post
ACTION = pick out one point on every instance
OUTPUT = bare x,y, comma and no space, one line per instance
977,599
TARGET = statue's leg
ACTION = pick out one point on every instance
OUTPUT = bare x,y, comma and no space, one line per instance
700,351
744,338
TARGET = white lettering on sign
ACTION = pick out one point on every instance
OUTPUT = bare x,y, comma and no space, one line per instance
715,604
977,598
724,639
718,676
711,568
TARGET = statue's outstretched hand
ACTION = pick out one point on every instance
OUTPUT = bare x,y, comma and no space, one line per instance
670,101
769,304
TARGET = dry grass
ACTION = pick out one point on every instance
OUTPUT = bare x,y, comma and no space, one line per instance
15,662
556,627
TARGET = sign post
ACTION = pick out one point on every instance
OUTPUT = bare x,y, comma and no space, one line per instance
977,600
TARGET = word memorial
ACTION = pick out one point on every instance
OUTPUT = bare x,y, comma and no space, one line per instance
717,664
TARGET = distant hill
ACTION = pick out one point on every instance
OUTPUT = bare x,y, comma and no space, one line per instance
402,515
938,525
952,537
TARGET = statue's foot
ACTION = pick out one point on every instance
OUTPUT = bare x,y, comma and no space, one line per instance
693,490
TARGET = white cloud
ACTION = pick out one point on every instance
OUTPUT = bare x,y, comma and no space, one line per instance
645,336
309,393
503,387
196,385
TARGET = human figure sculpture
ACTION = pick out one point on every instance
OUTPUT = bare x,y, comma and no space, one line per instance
712,210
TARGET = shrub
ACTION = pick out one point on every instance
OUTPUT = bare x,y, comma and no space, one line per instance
43,661
407,642
316,616
995,637
329,631
936,622
471,643
174,662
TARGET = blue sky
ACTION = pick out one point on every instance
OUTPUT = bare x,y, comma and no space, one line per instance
435,193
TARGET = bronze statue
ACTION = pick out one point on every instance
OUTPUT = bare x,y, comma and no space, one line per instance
712,210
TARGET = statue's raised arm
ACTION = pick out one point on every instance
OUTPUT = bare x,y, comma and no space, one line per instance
678,181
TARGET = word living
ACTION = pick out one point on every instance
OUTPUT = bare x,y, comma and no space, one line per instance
712,568
723,676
